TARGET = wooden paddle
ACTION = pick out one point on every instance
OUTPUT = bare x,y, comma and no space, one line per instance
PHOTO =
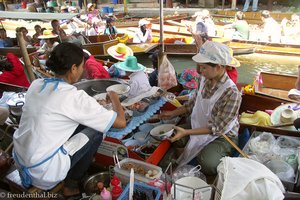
235,146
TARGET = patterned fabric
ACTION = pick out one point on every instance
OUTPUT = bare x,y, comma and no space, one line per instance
224,111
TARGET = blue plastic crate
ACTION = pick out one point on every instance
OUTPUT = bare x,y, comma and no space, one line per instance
152,193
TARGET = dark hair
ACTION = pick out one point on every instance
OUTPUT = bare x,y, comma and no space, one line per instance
37,26
143,29
5,65
211,64
63,57
154,59
53,21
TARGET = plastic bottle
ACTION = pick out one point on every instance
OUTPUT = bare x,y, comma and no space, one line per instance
105,194
116,192
115,182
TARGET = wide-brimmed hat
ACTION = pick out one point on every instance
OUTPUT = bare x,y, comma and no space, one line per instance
120,51
143,22
294,93
130,65
63,7
216,53
285,113
47,34
189,78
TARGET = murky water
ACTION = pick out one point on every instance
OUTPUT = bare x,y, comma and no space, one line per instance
250,64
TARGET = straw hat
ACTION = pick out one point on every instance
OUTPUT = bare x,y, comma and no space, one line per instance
130,65
285,113
47,34
63,7
120,51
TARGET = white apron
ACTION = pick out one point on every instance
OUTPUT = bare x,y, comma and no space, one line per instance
199,119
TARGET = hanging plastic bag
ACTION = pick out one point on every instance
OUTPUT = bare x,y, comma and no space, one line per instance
188,170
166,74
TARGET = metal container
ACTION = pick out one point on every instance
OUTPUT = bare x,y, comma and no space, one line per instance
99,84
90,184
16,103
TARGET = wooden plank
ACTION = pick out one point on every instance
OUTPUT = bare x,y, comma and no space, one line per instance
15,50
35,15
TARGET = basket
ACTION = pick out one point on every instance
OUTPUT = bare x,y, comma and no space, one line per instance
151,192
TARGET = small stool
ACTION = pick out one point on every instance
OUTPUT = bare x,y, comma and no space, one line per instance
14,181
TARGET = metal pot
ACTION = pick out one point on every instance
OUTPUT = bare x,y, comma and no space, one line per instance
16,103
90,184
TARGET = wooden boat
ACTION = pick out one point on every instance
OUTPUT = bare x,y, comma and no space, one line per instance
134,22
275,85
191,49
267,48
15,50
251,17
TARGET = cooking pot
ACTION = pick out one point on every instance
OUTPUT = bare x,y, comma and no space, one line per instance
15,103
90,183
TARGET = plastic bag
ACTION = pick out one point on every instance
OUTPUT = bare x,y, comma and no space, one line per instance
283,170
166,74
188,170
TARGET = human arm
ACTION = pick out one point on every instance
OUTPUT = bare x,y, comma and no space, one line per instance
170,114
120,121
181,132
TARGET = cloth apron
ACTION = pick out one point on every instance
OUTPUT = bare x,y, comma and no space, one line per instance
200,115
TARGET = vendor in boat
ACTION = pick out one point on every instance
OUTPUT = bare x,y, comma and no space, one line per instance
38,32
63,37
92,68
291,29
214,111
138,80
50,41
205,18
144,33
240,25
27,38
61,127
271,29
92,11
110,28
4,40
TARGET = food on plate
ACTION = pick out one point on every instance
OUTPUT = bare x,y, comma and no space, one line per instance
139,106
151,173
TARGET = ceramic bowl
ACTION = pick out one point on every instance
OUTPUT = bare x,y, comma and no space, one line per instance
288,115
120,89
162,131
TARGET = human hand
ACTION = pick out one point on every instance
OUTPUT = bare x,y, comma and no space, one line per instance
113,96
166,115
179,133
36,61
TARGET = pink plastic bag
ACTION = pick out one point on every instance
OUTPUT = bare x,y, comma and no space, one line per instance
166,74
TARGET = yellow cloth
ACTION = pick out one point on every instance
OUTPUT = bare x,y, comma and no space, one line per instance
259,118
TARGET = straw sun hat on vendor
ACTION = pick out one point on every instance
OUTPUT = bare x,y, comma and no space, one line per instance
216,53
120,51
47,34
130,65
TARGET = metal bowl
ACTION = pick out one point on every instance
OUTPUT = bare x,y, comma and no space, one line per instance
90,184
98,85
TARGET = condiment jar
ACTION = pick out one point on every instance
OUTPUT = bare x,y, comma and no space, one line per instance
105,194
115,182
116,192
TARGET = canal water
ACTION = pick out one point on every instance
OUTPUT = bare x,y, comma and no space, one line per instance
250,64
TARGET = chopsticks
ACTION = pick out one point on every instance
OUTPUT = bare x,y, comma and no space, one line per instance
116,160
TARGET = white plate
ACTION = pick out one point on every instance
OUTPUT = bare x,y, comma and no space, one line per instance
100,96
184,193
119,88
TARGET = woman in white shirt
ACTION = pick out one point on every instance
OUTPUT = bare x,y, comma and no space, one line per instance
49,44
61,127
144,34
